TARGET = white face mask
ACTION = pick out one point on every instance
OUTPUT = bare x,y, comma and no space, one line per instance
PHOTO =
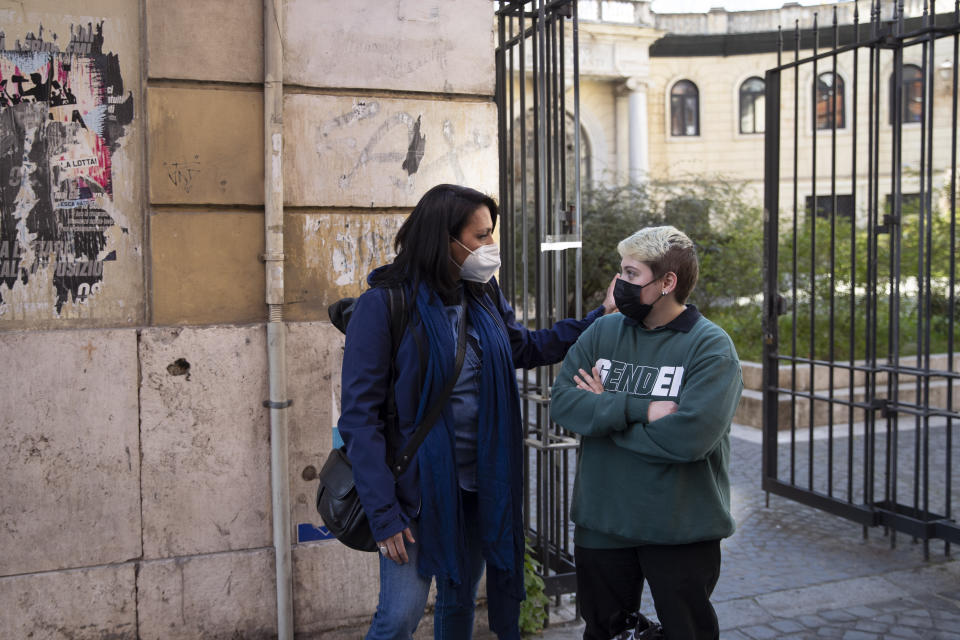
481,264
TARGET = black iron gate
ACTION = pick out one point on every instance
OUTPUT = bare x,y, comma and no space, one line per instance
538,101
860,318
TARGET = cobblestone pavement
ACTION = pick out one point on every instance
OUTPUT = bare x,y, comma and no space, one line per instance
791,571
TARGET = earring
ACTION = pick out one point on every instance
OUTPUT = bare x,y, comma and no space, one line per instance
663,292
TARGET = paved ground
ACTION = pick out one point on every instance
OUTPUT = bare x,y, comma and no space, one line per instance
791,571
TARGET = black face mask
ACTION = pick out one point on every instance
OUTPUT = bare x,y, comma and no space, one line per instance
626,295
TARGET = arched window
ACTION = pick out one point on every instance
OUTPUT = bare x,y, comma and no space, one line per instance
585,164
828,101
752,105
684,109
912,83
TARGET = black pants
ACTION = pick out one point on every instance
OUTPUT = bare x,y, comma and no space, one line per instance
681,578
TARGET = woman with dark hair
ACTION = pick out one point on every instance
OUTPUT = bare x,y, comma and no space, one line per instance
457,507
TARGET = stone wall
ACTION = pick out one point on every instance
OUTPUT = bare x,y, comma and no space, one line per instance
134,442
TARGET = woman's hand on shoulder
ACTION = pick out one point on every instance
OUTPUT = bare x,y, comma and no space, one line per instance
609,304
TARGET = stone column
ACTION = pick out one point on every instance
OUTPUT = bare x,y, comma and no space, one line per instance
622,132
639,137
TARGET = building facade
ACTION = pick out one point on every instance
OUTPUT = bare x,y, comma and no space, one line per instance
680,96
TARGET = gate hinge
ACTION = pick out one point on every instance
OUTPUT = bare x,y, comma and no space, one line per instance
882,405
889,221
778,307
888,39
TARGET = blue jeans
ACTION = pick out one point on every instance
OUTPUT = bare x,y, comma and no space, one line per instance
403,593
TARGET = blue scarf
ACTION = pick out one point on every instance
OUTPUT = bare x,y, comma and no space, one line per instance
499,458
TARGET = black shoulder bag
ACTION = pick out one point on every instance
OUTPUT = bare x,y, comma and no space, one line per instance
337,500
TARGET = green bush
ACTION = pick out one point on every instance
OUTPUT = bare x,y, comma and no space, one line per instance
718,216
726,224
836,277
533,610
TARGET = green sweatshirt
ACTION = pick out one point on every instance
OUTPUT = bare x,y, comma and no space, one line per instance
660,482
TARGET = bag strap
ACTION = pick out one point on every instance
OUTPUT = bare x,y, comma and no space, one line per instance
403,460
396,305
397,301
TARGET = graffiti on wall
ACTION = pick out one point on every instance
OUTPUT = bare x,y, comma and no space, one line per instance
63,113
380,146
348,247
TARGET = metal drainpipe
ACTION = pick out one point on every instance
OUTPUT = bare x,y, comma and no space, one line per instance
276,330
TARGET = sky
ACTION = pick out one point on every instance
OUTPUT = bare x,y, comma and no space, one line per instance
702,6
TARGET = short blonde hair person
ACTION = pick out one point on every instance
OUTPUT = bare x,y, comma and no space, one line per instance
665,249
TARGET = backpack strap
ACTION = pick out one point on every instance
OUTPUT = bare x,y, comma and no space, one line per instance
401,317
396,304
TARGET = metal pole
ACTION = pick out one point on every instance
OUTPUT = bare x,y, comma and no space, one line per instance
893,329
508,200
853,255
576,151
795,274
771,215
837,97
953,269
812,221
871,329
276,330
922,397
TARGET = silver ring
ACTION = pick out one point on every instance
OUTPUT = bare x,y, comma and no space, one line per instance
383,550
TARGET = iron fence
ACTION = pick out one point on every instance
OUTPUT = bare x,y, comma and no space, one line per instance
860,318
538,95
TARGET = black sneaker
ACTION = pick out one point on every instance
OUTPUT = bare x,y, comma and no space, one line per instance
636,626
648,630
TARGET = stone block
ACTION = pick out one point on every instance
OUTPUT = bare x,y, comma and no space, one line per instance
213,40
409,45
207,268
753,376
206,146
225,595
69,449
314,356
329,256
205,440
364,151
750,410
85,604
752,373
333,586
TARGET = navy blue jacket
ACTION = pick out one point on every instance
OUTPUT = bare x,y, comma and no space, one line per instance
366,373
